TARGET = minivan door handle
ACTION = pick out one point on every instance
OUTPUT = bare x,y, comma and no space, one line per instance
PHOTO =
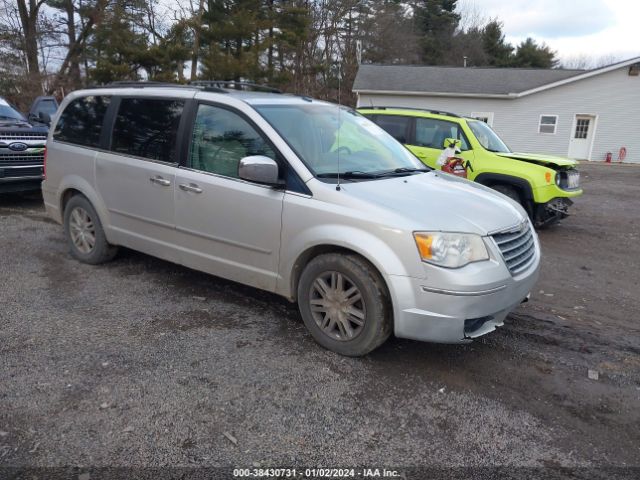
158,180
192,187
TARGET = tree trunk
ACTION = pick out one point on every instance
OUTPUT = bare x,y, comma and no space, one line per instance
29,21
74,62
270,50
196,42
94,18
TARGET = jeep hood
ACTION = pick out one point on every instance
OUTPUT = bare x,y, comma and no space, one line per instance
547,160
440,202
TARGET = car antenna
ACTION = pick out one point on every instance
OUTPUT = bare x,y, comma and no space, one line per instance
339,109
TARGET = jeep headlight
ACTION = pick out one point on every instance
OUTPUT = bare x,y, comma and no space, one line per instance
451,250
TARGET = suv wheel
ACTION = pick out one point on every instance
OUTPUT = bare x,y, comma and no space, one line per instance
509,191
344,304
84,233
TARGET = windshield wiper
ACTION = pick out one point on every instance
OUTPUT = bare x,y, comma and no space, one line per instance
411,170
399,172
348,175
359,174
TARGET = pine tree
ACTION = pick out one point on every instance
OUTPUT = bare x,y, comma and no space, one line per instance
437,21
117,49
498,52
531,55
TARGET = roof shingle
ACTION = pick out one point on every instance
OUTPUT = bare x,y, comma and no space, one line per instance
458,80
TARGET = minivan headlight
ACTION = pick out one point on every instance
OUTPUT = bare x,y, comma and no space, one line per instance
451,250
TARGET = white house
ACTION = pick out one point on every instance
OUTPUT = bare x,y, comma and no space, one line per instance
581,114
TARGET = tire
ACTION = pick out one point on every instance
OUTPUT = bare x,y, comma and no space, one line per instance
84,233
509,191
514,194
351,324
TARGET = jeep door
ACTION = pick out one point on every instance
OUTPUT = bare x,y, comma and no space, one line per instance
137,177
227,226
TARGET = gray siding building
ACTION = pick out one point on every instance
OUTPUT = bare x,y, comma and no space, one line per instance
582,114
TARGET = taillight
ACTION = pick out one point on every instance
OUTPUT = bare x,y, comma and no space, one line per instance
44,165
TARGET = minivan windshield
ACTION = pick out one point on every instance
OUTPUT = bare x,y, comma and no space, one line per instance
9,113
487,137
331,139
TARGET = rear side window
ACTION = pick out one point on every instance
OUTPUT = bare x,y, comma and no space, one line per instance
394,125
81,122
432,133
147,127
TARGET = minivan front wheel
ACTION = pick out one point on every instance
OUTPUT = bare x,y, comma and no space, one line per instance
83,230
344,304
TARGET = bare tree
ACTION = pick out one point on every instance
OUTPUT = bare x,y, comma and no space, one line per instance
472,16
580,61
606,60
29,11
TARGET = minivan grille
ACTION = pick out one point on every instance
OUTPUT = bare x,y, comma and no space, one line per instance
517,247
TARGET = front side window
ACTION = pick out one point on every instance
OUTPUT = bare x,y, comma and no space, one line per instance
487,137
432,133
331,139
81,121
221,139
147,128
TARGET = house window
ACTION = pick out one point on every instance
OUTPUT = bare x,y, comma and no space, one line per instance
548,124
486,117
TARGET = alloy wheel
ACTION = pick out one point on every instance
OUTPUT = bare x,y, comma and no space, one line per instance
82,230
337,306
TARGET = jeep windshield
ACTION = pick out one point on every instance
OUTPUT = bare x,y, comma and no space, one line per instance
487,137
334,141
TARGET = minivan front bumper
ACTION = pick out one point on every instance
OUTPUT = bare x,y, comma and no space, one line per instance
456,316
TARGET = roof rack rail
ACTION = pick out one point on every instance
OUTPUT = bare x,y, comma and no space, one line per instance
435,112
152,84
229,84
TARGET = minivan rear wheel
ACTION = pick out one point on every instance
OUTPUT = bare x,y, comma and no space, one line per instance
344,304
83,230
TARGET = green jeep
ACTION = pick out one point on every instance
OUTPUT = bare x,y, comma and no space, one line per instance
542,184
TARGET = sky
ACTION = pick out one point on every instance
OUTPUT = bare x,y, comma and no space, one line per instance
592,29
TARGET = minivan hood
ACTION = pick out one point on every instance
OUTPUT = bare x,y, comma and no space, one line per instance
540,159
436,201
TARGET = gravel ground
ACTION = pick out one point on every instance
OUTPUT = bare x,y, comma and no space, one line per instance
144,363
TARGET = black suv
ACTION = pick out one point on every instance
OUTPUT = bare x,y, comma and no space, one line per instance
22,144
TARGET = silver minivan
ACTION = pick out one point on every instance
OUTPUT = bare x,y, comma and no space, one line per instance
292,195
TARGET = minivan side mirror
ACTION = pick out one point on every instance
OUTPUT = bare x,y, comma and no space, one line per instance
259,169
451,142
